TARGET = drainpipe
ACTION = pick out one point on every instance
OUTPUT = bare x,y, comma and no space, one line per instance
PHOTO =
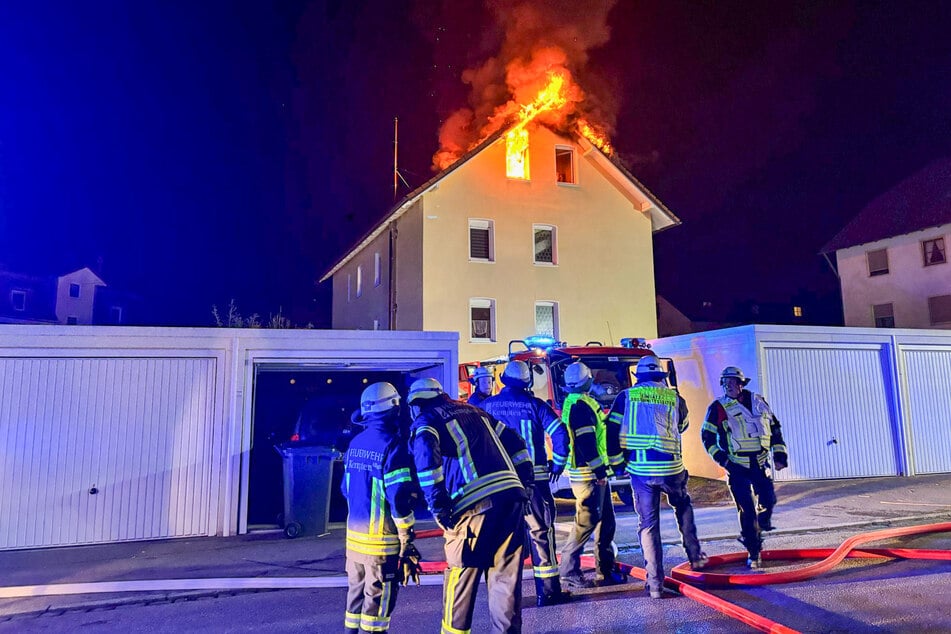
391,267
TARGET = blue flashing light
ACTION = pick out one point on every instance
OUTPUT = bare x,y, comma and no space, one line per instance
540,341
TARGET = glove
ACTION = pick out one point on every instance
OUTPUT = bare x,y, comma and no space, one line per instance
554,472
409,564
619,471
445,521
780,461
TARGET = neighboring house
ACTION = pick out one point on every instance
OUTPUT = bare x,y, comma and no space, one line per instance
892,258
79,297
564,248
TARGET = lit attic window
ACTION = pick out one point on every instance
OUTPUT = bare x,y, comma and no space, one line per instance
516,154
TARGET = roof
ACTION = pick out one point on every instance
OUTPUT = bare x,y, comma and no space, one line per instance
663,219
920,201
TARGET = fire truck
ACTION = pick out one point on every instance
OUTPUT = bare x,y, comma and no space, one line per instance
613,369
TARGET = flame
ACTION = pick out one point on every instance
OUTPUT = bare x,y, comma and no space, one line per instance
551,97
597,136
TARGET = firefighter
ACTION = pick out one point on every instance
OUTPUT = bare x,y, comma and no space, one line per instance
482,383
380,491
533,418
739,433
649,419
474,472
588,473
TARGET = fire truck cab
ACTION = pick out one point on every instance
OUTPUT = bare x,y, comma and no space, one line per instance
613,369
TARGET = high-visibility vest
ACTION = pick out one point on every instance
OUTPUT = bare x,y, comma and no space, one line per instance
749,430
650,431
584,473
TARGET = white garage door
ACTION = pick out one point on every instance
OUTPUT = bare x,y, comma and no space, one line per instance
928,373
835,410
105,449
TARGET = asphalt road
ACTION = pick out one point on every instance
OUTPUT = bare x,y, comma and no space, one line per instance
859,596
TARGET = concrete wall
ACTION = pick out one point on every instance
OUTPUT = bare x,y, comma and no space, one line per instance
908,284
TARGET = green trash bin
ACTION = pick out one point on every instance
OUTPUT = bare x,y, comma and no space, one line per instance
308,472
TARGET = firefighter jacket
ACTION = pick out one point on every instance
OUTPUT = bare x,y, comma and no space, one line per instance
743,431
476,399
464,456
532,418
588,439
380,491
649,419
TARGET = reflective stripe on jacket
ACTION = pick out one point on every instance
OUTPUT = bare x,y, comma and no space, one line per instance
652,418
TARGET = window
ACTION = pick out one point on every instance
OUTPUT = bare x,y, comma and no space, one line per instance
377,270
481,241
516,154
360,281
545,251
546,319
481,319
74,290
564,164
72,320
933,251
115,315
940,309
797,311
877,262
18,300
884,315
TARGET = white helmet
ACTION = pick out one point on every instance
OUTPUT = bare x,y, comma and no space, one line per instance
517,374
650,368
424,389
577,375
479,373
733,372
378,398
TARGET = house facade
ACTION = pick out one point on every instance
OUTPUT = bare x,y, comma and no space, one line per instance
892,259
77,298
562,248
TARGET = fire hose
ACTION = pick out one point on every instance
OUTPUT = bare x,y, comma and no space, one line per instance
682,576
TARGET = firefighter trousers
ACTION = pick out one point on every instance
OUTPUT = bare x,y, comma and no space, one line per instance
487,540
372,586
647,490
744,485
540,526
594,514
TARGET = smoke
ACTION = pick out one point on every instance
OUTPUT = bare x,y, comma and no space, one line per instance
538,38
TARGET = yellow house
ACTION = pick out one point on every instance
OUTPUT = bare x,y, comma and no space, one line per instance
557,241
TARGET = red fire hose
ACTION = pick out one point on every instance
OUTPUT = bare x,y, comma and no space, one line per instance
682,574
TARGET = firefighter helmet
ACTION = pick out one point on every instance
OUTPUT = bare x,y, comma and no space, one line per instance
478,373
649,368
424,389
733,372
578,376
378,398
517,374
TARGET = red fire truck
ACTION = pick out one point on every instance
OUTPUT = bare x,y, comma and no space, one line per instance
613,369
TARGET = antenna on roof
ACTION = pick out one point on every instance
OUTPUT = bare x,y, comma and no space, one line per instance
396,172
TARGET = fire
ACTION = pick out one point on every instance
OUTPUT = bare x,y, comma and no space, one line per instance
555,104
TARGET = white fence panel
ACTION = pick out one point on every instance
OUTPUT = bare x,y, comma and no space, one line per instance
105,449
835,407
928,389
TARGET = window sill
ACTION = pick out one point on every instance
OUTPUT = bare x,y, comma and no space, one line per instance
482,341
480,261
549,265
568,185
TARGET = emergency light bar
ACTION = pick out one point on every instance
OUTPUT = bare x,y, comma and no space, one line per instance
635,342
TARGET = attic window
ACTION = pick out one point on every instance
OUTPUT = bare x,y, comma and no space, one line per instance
74,290
516,154
564,164
877,262
933,251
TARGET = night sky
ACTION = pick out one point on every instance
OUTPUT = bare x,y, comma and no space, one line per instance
234,150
